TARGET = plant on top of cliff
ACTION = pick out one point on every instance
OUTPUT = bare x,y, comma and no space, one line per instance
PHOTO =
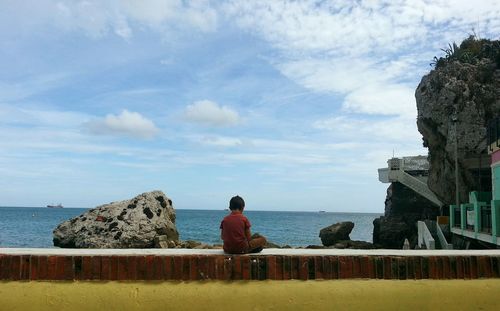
470,51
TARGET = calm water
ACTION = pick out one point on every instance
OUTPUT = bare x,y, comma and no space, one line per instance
32,227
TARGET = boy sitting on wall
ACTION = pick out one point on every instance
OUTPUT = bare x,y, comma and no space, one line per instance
235,231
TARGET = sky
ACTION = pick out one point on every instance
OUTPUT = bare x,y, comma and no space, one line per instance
291,104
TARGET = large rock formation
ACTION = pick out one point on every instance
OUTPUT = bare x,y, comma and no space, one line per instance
455,102
403,208
336,232
134,223
465,85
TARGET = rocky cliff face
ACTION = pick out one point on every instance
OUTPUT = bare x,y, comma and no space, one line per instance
455,101
403,207
465,85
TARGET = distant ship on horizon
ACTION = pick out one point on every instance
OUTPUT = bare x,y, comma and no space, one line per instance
55,206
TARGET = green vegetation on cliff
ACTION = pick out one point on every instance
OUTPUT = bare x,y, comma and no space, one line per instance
470,51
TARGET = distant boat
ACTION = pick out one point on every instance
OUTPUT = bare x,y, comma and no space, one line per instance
322,212
55,206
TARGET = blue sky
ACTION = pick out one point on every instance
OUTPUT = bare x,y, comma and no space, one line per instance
291,104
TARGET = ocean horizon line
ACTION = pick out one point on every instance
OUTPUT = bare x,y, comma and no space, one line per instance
222,209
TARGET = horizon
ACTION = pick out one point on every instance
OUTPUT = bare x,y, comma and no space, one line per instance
217,210
290,104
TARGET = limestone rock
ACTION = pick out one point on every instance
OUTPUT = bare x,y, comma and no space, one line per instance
470,89
146,221
190,244
336,232
162,241
268,244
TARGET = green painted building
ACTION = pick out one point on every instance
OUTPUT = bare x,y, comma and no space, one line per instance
480,218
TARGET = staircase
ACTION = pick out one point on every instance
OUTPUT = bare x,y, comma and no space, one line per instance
411,172
414,184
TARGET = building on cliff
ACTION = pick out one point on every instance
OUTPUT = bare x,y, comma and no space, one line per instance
479,219
411,172
408,201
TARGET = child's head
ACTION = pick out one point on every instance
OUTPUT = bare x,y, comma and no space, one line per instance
236,203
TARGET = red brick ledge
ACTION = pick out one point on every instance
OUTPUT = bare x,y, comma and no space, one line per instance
244,267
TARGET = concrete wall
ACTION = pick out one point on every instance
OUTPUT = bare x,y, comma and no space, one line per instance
252,295
56,279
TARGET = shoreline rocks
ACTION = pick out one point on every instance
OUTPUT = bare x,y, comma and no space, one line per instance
142,222
148,221
336,232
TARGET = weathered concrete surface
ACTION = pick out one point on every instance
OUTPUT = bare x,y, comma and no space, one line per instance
269,251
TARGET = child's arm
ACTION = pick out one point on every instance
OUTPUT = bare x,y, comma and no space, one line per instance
248,234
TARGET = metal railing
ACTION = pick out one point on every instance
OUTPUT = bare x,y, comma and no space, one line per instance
470,218
416,163
485,216
457,219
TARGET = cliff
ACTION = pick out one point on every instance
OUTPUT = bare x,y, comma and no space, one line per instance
455,103
403,207
464,86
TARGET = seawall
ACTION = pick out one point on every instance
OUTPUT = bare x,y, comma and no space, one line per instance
292,279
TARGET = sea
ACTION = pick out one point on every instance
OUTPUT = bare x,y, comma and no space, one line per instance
33,226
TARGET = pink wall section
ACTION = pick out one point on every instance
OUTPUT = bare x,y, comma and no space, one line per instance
495,157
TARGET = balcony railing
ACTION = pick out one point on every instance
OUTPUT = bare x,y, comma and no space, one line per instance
470,218
485,216
457,221
479,219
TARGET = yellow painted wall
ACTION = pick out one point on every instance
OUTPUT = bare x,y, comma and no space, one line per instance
253,295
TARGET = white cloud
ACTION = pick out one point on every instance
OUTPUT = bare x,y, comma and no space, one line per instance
356,27
158,13
31,85
127,123
215,140
338,75
209,113
221,141
392,99
398,130
370,52
98,18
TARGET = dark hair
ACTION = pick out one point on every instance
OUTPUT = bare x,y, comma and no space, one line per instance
236,203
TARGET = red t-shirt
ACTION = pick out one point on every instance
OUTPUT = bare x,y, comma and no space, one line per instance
233,233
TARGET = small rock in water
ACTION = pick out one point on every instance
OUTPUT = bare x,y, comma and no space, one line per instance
336,232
